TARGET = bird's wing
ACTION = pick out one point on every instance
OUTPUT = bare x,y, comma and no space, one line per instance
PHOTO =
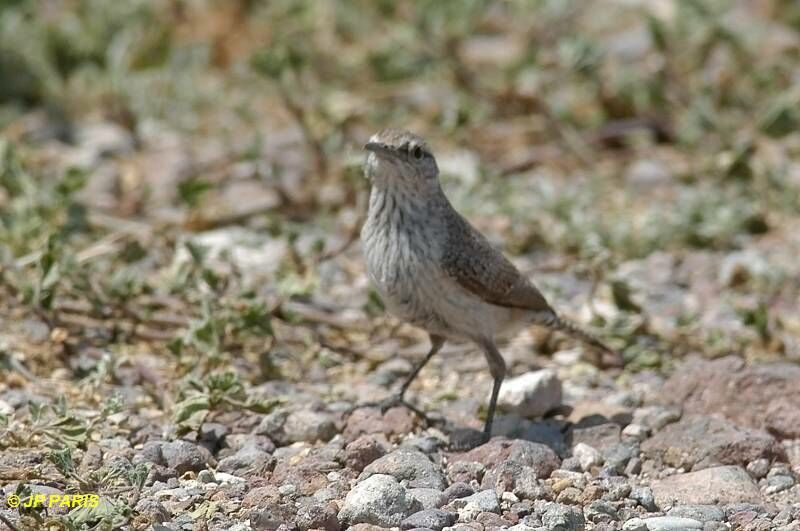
472,262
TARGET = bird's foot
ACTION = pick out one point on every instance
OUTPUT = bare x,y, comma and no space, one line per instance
397,401
464,439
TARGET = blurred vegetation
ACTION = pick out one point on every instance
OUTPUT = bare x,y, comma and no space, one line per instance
582,133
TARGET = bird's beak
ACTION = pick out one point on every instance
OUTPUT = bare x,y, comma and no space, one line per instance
377,147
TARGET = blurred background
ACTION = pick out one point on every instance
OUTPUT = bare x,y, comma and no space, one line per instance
181,191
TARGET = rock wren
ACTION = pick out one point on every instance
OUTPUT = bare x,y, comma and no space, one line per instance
436,271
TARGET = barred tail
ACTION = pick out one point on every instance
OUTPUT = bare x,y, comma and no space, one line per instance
552,321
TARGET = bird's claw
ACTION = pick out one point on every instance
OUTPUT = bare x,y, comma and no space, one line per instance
465,439
397,401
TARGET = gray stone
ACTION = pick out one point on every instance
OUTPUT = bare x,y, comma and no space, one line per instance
703,513
779,483
644,496
787,515
286,427
616,457
572,464
531,394
183,456
470,507
249,460
484,501
315,515
672,523
542,460
656,417
408,465
711,486
617,488
601,511
434,519
634,467
153,510
378,500
428,498
634,524
558,517
457,490
530,488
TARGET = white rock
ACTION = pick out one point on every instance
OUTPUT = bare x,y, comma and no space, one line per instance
532,394
256,255
587,456
287,489
636,431
647,173
634,524
672,523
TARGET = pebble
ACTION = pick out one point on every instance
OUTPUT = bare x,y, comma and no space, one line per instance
656,417
617,456
247,461
304,425
427,498
364,450
569,496
779,483
457,490
703,513
672,523
758,468
378,500
183,456
563,517
600,511
411,466
587,456
634,467
471,506
434,519
637,432
634,524
644,496
317,516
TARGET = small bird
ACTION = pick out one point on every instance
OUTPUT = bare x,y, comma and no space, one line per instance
435,270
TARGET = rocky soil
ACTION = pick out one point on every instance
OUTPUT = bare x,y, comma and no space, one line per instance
187,330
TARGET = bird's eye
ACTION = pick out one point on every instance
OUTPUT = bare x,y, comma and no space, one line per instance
417,152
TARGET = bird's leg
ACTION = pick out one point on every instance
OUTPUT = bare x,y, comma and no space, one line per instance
399,398
463,439
497,366
436,344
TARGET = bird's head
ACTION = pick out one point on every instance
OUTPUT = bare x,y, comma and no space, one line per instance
401,160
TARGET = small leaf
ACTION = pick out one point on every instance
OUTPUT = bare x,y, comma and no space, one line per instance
622,295
62,460
192,190
780,120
